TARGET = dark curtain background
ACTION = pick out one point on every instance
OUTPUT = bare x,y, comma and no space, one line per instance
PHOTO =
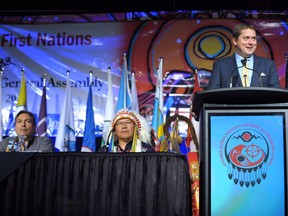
116,184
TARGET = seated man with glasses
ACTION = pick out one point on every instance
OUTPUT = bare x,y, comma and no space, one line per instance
129,132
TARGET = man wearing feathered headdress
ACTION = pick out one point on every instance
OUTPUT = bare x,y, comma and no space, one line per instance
129,132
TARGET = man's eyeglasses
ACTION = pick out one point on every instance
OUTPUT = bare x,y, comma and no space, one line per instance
128,122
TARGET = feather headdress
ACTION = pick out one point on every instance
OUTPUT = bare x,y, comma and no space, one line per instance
142,131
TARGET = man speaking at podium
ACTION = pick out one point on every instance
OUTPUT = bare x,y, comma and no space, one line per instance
244,68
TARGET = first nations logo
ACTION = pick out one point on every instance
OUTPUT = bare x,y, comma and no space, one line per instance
247,154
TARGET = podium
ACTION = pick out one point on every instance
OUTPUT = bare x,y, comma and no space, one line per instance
243,151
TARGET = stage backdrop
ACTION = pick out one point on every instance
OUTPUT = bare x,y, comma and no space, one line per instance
185,45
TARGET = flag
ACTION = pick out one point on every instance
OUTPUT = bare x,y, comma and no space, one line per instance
42,117
168,103
89,142
22,97
65,139
158,117
124,96
10,123
135,104
109,109
1,118
190,140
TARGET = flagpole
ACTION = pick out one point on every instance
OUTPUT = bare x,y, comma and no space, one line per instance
44,80
66,145
22,97
66,139
109,112
125,79
161,86
124,94
286,72
90,78
1,118
158,118
42,117
134,94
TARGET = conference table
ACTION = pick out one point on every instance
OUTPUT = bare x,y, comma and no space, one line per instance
116,184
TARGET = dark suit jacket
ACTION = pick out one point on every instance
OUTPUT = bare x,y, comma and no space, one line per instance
225,73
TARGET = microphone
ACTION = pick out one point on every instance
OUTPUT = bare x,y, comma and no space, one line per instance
13,145
16,144
21,143
244,61
245,79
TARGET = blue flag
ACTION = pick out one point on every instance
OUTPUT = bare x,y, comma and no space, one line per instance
124,96
158,117
11,122
89,142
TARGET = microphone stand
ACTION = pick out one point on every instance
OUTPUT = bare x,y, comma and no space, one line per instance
243,61
232,77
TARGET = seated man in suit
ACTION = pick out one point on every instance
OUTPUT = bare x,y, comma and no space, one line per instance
25,127
244,68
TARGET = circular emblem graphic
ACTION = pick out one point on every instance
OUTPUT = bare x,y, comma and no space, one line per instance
247,152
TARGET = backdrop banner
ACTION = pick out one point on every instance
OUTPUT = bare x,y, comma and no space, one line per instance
185,45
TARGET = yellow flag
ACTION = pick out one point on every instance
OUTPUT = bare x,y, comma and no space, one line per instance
22,98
